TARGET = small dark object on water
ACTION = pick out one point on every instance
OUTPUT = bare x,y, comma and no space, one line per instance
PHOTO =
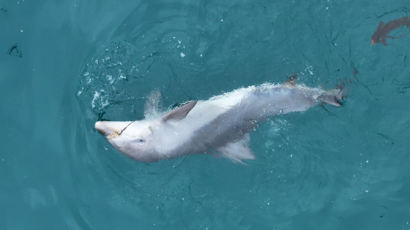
383,30
15,51
101,116
4,10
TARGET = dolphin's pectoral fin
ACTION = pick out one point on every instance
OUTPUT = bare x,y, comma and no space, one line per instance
180,112
237,151
153,104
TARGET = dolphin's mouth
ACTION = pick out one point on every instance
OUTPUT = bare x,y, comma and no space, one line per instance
108,131
105,130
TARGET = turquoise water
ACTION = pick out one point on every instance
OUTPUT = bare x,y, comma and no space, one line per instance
65,64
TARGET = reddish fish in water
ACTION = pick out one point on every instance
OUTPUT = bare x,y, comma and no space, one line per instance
383,30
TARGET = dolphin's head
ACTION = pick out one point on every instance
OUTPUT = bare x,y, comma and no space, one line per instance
133,138
145,140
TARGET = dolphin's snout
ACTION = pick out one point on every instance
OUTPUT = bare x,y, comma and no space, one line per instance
111,129
100,127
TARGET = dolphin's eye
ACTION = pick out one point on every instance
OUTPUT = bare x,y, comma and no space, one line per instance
139,140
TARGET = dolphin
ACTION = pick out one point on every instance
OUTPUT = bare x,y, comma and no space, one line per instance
219,125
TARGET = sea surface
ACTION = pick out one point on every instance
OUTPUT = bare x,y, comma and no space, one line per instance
68,63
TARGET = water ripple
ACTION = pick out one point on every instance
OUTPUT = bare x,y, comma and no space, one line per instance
307,164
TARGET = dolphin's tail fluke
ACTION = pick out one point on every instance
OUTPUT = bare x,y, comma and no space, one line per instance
334,96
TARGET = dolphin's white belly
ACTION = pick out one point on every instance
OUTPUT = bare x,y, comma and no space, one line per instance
228,117
204,113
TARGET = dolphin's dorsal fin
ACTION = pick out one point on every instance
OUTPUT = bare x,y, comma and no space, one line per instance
237,151
180,112
291,81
